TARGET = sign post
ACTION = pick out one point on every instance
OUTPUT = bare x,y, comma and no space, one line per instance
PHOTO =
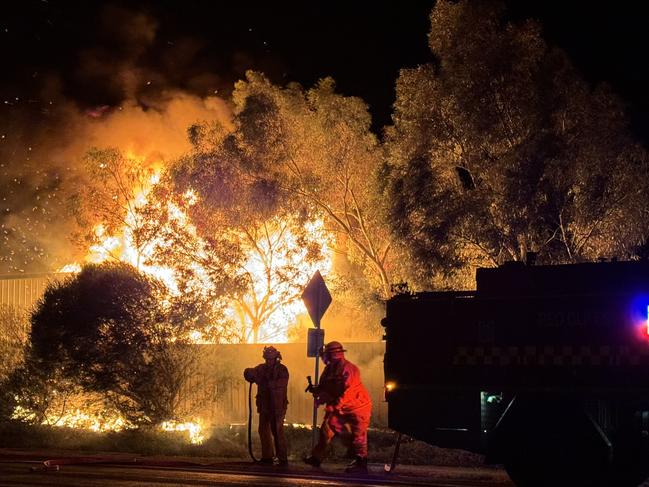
316,298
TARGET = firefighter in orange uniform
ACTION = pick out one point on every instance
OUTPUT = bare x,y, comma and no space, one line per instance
348,408
271,378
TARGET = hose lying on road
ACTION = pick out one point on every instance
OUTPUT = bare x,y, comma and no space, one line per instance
56,463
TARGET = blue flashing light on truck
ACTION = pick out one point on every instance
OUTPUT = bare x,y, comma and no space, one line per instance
545,369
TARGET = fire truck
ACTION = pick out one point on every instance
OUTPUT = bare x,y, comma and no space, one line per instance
544,369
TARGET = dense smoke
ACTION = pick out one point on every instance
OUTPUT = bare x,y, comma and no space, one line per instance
111,98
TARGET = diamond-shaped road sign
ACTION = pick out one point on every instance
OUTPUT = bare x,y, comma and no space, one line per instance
316,298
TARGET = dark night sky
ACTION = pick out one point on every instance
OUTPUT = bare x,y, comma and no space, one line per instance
203,45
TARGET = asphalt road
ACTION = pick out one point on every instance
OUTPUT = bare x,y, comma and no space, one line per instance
20,474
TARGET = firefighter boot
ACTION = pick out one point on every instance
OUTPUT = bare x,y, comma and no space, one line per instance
359,465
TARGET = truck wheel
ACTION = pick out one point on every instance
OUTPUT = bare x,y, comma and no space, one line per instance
545,442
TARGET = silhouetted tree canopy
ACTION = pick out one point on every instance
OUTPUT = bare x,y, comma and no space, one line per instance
500,148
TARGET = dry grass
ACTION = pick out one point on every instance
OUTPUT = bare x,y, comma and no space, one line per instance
224,442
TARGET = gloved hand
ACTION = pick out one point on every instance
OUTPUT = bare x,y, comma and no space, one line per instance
249,375
309,388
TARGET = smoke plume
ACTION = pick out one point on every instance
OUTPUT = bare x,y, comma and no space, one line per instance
108,96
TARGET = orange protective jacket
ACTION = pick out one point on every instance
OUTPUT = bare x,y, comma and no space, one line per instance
272,383
341,389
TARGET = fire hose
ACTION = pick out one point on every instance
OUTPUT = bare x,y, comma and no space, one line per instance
252,455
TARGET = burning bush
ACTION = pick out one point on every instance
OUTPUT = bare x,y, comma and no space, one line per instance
106,329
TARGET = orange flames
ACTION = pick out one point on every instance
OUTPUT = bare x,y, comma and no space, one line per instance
271,306
104,421
273,300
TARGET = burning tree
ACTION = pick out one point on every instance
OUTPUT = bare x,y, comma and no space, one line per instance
239,224
280,259
500,149
232,255
128,215
111,206
315,146
278,245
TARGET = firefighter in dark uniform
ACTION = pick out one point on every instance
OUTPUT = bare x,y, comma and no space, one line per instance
271,378
348,408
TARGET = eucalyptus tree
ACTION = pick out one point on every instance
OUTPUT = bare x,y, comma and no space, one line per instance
499,148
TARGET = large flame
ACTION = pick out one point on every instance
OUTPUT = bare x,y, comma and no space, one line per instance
280,298
272,298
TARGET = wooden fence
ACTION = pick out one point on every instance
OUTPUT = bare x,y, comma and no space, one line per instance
21,291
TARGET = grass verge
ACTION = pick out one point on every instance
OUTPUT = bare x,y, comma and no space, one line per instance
226,442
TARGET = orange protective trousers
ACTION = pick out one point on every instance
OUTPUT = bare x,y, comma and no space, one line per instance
351,428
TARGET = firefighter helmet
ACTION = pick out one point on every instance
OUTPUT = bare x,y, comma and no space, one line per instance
333,348
271,353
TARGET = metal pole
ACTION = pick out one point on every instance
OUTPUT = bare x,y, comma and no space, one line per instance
314,430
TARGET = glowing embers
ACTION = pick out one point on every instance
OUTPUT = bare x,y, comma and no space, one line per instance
102,421
91,419
82,420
